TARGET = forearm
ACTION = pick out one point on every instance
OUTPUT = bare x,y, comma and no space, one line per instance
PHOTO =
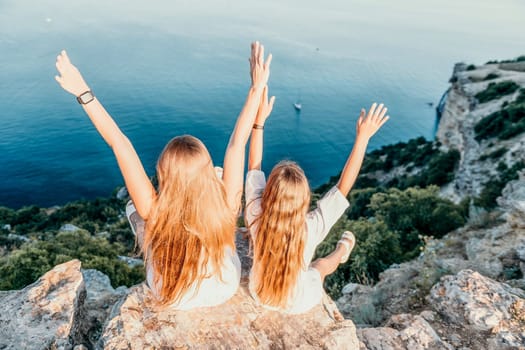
244,124
256,150
353,165
103,122
236,150
137,182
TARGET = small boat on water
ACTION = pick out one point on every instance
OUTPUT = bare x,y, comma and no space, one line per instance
297,106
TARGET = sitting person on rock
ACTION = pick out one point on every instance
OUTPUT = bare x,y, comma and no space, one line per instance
284,234
188,237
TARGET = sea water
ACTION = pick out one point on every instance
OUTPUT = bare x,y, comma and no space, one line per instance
165,68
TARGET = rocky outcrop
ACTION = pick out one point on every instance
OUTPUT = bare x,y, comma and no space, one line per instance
45,314
69,308
403,331
236,324
479,304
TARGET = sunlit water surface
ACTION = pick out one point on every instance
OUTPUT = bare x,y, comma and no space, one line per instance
166,68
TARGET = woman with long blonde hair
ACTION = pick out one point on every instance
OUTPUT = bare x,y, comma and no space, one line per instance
188,238
284,234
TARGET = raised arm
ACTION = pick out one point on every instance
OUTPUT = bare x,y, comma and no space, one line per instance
137,182
235,152
366,127
256,140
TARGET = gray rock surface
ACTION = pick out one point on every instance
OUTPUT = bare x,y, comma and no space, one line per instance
236,324
480,304
512,201
403,331
45,314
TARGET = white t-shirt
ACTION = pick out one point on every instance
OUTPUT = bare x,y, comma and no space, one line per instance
309,290
212,290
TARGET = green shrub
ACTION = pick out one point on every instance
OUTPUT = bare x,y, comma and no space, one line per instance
416,212
503,124
93,216
471,67
494,154
439,171
496,90
25,265
493,187
376,249
491,76
393,233
359,202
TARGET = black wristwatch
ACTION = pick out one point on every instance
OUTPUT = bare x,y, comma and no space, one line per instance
85,97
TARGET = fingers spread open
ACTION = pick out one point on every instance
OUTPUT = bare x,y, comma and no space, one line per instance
384,120
383,112
379,109
261,55
58,79
268,61
372,110
272,101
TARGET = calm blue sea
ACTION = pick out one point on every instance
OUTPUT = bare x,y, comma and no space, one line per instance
168,67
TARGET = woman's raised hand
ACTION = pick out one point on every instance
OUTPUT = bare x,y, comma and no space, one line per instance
368,124
265,107
259,70
70,78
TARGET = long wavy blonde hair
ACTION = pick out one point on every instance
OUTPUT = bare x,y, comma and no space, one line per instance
280,237
190,223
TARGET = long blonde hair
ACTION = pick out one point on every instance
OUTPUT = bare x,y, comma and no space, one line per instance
190,223
280,237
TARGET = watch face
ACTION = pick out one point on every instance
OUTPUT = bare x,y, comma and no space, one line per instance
86,97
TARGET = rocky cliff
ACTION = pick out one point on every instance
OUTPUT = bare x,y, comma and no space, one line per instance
462,111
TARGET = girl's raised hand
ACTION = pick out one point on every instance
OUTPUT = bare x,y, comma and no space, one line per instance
259,70
368,124
265,107
70,78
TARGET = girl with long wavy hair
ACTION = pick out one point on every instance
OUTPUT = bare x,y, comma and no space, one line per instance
188,238
284,234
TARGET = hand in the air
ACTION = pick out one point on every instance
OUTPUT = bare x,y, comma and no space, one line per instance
368,124
259,70
70,78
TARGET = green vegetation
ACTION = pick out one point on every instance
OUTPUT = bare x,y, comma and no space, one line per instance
494,154
439,171
518,59
431,165
505,123
491,76
497,90
104,235
492,188
392,230
471,67
23,266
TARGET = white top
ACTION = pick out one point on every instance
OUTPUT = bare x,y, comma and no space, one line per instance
318,223
212,290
